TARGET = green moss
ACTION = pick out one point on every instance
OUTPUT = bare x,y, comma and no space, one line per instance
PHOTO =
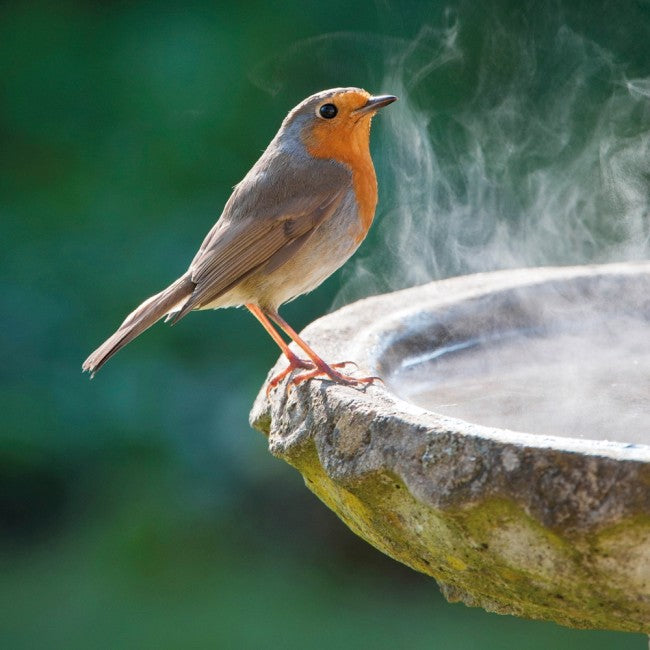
494,554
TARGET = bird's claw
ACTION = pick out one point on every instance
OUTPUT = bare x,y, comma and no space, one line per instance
314,371
345,380
293,365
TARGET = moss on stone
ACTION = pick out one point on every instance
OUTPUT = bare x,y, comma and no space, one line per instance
492,554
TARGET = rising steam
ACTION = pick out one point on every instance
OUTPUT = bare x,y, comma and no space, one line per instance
546,162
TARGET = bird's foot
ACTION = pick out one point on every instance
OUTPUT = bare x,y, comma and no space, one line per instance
293,365
314,371
328,370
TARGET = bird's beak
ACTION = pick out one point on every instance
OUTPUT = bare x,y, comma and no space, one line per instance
375,103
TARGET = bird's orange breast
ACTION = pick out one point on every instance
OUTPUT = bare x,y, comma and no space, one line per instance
349,146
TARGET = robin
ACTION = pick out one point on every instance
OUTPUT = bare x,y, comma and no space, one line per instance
296,217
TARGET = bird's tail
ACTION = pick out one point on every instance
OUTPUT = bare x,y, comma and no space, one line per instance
150,311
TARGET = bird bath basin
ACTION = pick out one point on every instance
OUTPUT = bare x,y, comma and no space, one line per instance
582,373
507,455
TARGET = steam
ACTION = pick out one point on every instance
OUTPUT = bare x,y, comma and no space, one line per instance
541,158
547,161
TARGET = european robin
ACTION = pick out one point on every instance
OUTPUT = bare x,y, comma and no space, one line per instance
296,217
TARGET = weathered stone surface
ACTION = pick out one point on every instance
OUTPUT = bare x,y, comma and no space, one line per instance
537,526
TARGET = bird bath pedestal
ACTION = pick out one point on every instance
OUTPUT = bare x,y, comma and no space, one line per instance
508,453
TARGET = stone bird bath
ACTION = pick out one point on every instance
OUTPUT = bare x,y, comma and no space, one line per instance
508,453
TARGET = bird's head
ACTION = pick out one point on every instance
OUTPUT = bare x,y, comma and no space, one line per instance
335,124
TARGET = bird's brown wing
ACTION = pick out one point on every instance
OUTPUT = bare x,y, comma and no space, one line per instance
237,249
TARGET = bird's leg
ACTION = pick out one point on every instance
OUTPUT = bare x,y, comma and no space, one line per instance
318,366
294,361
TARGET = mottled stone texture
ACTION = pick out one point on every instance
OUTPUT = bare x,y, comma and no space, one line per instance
537,526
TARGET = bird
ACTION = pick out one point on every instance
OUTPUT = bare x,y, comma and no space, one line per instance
297,216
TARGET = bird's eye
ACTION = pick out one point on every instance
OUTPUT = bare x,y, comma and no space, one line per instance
328,111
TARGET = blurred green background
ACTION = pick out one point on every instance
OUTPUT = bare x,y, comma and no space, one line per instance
139,510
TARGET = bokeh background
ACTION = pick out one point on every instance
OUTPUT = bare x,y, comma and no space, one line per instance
139,510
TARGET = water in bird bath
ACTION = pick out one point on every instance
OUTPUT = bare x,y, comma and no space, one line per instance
588,379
